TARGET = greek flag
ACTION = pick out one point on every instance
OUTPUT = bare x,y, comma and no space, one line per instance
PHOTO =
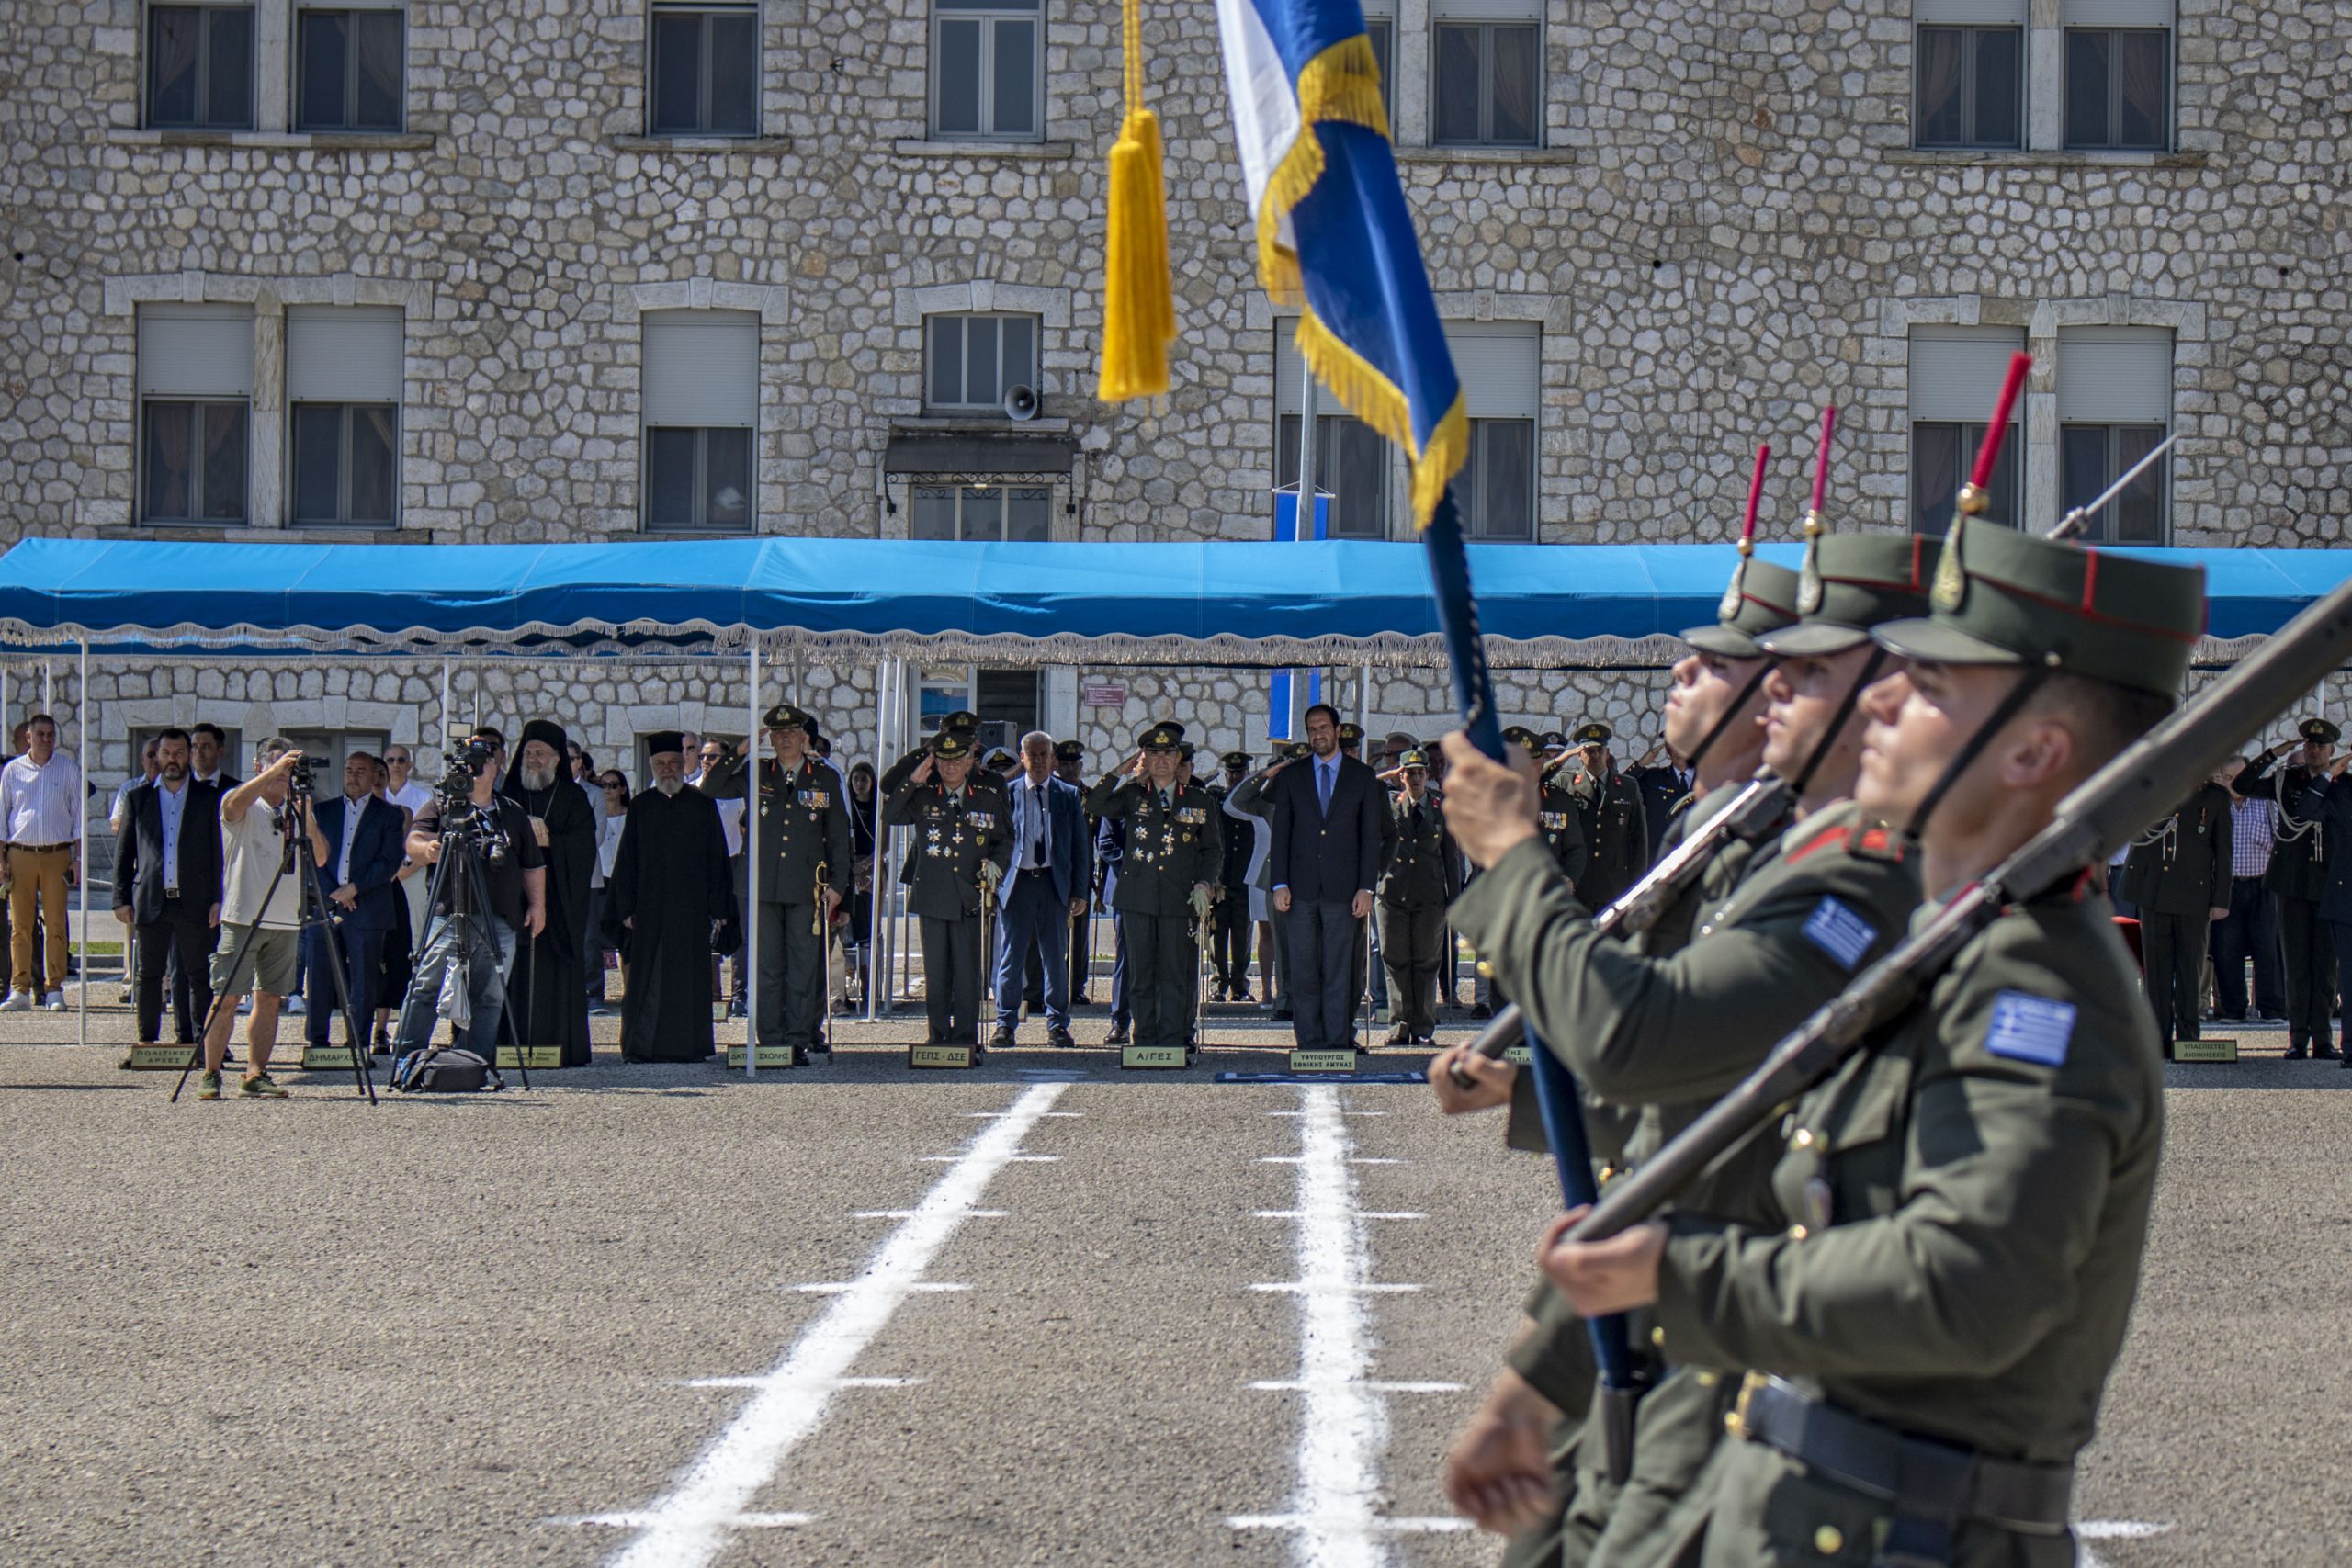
1334,236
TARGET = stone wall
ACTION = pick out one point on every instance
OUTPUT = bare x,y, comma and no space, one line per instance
1726,228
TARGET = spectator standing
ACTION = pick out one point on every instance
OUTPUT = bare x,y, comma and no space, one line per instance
516,889
1044,886
1324,863
254,895
149,769
167,889
2251,928
614,790
362,841
40,803
1420,878
208,749
865,806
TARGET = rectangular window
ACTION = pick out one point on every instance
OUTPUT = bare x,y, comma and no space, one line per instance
1484,91
1971,88
2092,457
195,385
1380,26
988,70
348,69
1955,377
971,361
2114,406
201,67
1351,465
344,375
701,407
994,513
2119,89
706,70
1495,490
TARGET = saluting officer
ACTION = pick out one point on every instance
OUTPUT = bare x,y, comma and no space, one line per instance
1232,929
1616,835
1421,878
1167,878
2177,876
2297,878
1929,1316
1558,812
802,839
962,846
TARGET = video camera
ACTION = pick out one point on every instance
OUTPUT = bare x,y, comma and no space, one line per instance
302,777
460,819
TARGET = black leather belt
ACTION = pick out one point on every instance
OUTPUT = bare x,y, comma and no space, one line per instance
1932,1484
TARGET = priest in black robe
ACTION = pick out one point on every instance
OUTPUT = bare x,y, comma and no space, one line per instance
547,996
674,897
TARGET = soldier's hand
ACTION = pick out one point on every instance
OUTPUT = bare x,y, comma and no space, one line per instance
1077,909
1498,1471
1282,900
1602,1277
2215,914
1490,1079
1360,905
1200,900
1489,805
923,770
833,903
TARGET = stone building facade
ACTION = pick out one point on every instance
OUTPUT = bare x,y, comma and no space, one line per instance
1724,216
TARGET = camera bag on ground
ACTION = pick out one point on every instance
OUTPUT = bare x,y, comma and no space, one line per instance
446,1071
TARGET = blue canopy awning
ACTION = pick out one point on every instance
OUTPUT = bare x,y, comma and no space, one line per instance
1134,604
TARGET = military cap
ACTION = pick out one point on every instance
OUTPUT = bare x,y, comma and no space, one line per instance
2005,597
1235,758
1519,735
1351,734
1184,750
1163,737
1555,742
1850,583
1071,752
1415,758
963,719
784,715
1762,597
1287,750
1592,732
997,755
950,744
663,740
1172,728
2319,729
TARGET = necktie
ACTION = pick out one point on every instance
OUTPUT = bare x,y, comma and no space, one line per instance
1323,782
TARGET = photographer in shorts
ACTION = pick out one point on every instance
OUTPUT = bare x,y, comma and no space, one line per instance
253,833
485,831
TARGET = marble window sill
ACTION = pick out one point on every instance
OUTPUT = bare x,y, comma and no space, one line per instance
1034,151
2010,158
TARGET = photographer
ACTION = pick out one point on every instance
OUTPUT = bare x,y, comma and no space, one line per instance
253,832
494,834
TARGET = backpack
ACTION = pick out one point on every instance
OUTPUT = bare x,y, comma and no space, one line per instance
447,1071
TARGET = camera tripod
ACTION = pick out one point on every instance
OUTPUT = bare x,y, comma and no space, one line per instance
317,918
468,901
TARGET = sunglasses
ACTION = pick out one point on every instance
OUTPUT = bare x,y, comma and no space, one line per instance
614,784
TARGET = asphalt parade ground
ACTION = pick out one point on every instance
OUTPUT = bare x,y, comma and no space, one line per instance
1041,1312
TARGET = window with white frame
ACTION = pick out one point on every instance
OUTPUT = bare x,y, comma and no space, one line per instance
1380,27
971,361
2119,75
348,65
345,372
1351,460
1955,377
201,67
1501,383
1968,67
1485,68
705,70
988,70
2114,408
195,388
701,414
997,512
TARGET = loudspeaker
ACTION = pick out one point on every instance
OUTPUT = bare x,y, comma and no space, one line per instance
1020,404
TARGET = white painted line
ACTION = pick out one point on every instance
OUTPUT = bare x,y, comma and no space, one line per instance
1293,1385
909,1213
1316,1523
688,1525
843,1287
1014,1159
643,1520
1319,1288
767,1382
2109,1529
1361,1214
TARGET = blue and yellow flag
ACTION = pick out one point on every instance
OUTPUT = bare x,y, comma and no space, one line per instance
1334,236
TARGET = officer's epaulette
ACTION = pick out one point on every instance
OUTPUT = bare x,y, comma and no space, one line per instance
1873,840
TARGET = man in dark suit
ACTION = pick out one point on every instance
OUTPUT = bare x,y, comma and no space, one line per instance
167,887
1664,788
362,841
1043,891
1325,860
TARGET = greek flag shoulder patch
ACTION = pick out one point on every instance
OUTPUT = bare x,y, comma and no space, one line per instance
1839,932
2030,1029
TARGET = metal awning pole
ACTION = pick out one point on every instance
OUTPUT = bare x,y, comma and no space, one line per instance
750,959
447,735
82,840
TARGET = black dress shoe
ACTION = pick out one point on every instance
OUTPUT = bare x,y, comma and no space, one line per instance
2322,1052
1482,1010
800,1055
1120,1035
1000,1041
1281,1015
2296,1054
1400,1035
1241,994
2344,1061
1059,1039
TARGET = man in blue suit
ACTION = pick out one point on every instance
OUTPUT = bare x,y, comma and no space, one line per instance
1042,890
1325,860
362,842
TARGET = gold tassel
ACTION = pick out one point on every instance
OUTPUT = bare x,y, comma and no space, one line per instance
1138,299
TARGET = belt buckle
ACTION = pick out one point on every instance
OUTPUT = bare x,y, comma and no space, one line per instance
1748,1384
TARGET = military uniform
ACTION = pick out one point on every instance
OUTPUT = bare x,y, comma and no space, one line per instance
1558,812
2178,871
963,722
1928,1313
2297,877
1232,932
954,835
1616,832
1174,845
1419,877
800,836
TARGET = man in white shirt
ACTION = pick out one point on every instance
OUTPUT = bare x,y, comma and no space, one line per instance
41,795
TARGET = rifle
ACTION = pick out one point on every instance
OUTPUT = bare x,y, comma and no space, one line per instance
1762,804
2142,783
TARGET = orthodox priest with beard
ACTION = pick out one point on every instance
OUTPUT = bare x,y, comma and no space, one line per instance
547,996
674,898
